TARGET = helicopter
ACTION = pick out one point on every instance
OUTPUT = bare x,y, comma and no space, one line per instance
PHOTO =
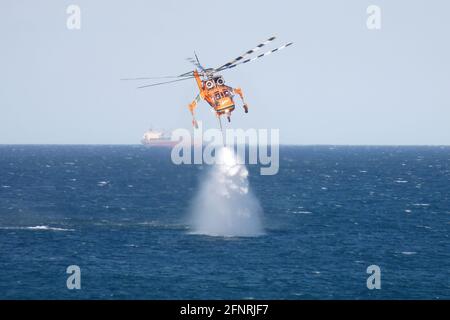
212,85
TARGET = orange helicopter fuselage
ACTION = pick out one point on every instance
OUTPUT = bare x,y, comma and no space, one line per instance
214,91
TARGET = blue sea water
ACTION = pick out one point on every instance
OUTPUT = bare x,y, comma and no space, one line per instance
119,213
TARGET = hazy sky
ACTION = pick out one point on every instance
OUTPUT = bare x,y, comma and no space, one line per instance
340,83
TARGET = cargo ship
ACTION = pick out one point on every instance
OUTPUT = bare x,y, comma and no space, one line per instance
156,138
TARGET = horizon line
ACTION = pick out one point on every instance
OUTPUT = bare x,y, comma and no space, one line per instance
280,144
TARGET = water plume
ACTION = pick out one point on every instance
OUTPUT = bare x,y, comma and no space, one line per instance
224,205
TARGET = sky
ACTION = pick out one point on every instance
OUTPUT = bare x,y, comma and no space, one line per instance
340,83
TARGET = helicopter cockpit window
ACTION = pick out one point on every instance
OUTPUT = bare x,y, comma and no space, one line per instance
217,96
226,93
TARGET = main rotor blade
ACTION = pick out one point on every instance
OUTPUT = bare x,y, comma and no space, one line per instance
190,73
196,62
165,82
259,56
150,78
259,46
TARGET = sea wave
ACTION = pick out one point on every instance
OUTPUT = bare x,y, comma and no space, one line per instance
38,228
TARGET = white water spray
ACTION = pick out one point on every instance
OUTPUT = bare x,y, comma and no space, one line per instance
224,205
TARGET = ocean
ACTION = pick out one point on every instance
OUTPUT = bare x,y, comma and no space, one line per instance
120,213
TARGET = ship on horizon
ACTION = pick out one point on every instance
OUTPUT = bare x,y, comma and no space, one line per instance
158,138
